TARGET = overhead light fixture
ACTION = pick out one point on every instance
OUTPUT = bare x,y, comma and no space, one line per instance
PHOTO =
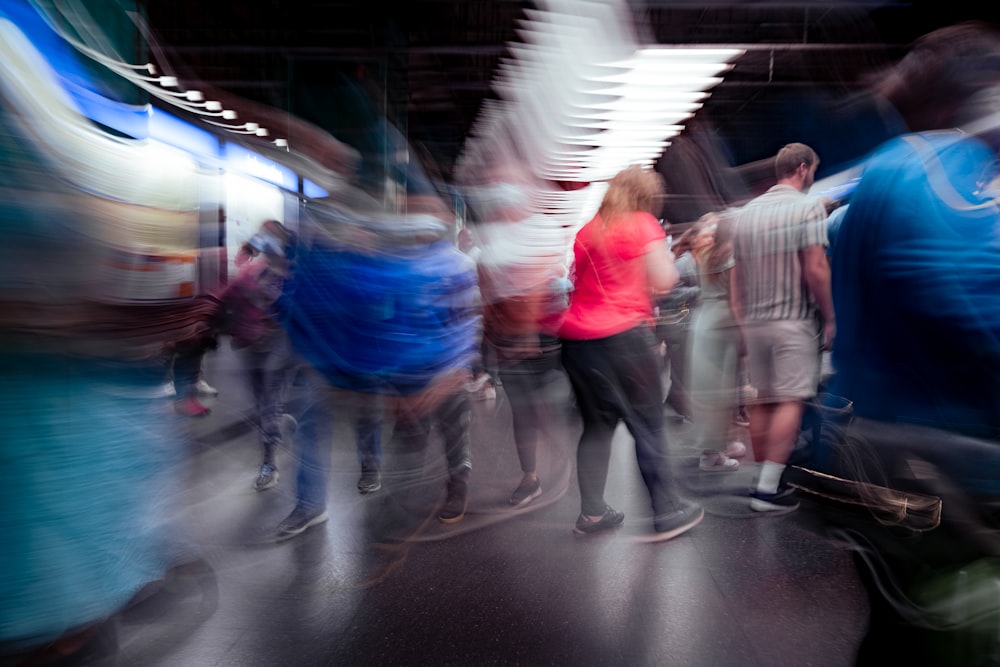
580,100
146,77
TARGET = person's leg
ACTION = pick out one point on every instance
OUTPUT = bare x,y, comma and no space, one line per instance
271,407
760,426
187,367
632,355
454,418
406,504
713,364
795,377
525,383
591,379
368,431
521,387
678,398
313,443
270,376
784,422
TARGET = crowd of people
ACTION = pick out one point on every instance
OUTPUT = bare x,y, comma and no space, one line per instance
390,317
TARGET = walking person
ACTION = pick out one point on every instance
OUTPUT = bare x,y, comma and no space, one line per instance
675,313
716,345
621,262
783,303
257,336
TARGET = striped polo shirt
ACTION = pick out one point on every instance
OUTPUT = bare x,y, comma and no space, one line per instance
770,231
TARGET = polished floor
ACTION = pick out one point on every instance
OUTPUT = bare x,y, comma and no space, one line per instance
503,587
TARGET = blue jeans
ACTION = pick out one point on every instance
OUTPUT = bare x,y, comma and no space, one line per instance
617,378
313,404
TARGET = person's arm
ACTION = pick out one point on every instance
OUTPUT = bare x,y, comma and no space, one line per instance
660,270
736,304
816,273
687,290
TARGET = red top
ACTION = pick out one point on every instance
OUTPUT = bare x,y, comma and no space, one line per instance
610,289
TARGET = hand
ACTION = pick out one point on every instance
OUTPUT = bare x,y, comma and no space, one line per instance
829,331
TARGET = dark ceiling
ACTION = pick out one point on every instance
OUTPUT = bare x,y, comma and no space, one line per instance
428,64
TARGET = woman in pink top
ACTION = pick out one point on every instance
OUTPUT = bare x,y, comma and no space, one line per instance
621,261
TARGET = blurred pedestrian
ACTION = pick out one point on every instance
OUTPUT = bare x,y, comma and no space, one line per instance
781,290
675,313
621,262
248,317
383,309
716,346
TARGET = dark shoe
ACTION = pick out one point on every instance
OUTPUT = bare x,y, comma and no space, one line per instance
298,521
781,502
266,478
454,506
526,492
611,519
370,482
741,418
671,525
190,407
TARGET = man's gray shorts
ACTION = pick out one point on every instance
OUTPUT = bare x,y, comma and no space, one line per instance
784,358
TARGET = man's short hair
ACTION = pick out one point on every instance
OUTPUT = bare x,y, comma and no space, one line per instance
791,156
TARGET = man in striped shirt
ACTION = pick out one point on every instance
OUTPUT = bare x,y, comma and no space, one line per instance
781,296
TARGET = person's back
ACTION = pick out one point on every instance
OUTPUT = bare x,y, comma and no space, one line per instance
248,303
770,232
916,275
781,297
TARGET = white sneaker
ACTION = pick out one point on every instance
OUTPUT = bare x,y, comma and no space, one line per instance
165,390
205,389
717,462
736,449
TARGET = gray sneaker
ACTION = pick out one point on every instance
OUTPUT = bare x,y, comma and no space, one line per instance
669,526
300,520
266,478
370,482
525,493
612,518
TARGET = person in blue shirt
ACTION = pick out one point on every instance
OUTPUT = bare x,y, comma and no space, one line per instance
915,281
